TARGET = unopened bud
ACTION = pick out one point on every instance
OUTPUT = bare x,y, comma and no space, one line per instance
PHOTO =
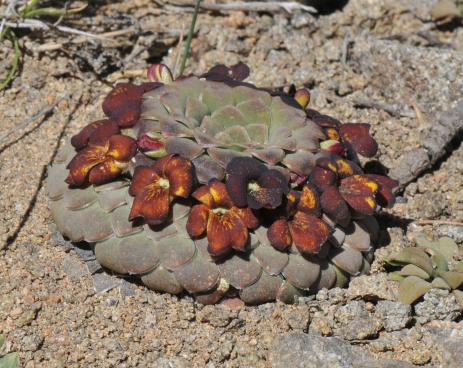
333,146
160,73
302,96
151,146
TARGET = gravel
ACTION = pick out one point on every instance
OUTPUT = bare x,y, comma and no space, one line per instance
438,304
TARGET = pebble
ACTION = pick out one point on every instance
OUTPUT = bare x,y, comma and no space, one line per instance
438,304
394,315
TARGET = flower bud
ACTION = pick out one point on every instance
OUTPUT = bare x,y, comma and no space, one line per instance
160,73
151,146
302,96
333,146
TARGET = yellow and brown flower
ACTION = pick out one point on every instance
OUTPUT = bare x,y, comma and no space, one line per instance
251,183
357,192
99,163
154,187
225,224
303,227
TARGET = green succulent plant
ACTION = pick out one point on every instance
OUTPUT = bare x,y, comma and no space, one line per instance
429,265
10,360
212,186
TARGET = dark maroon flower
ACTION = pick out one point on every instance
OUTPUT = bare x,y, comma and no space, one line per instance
251,183
95,133
359,138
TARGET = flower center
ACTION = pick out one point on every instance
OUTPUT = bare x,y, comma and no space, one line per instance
253,186
164,183
220,211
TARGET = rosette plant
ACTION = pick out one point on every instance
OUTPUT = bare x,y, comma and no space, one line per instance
212,186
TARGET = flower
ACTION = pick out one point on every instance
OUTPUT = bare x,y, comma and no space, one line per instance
94,133
302,225
99,163
251,183
154,187
358,137
357,191
123,103
225,224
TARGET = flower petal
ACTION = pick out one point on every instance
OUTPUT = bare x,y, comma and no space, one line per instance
359,193
219,192
309,201
279,236
83,162
218,234
347,168
123,104
197,220
358,185
153,204
322,178
247,216
309,233
245,166
385,197
264,198
142,177
334,205
122,147
204,195
358,136
237,188
95,133
180,173
274,179
105,172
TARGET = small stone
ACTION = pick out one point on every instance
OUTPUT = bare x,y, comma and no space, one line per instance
103,282
438,304
93,266
84,252
394,315
74,268
233,303
452,231
354,322
126,288
217,316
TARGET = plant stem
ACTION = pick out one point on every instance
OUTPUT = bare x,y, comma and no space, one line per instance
17,54
186,52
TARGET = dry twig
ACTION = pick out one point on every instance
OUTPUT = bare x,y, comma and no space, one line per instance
251,6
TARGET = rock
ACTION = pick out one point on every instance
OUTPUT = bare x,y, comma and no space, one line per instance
372,287
103,282
452,231
394,315
74,268
354,322
438,304
299,350
452,353
217,316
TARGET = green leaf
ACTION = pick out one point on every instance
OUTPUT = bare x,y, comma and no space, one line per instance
53,12
10,360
